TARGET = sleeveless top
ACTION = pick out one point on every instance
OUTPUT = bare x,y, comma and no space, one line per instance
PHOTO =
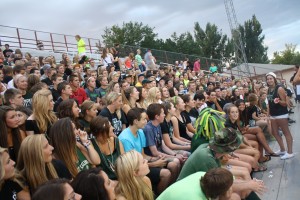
108,161
275,109
82,163
182,128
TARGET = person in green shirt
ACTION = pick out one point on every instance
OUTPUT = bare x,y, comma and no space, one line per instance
80,45
214,184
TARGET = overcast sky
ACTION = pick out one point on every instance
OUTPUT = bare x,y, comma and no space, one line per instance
280,19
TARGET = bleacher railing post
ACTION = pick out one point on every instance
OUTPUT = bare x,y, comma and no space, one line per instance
66,43
19,39
90,45
35,35
52,41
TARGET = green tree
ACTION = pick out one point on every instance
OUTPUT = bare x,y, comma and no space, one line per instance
131,33
212,42
289,56
251,34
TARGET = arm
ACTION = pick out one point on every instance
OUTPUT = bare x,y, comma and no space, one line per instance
253,185
88,149
190,128
23,195
171,145
126,108
121,147
282,96
176,130
156,162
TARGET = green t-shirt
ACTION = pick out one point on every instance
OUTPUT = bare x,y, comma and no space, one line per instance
83,163
202,159
187,188
81,46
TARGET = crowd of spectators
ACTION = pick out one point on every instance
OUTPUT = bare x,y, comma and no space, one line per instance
128,129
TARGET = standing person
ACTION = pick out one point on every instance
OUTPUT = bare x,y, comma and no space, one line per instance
131,169
80,45
106,58
213,68
7,51
279,115
197,67
139,60
149,60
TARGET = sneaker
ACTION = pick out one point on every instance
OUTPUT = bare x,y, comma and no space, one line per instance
280,153
287,156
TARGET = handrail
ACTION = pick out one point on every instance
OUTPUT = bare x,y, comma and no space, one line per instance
21,40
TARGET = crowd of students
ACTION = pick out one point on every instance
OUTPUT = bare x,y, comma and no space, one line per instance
126,131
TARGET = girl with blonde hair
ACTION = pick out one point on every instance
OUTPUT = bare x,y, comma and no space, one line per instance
131,169
114,113
35,161
43,116
130,97
11,185
154,96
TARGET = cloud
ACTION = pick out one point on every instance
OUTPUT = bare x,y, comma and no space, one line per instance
89,17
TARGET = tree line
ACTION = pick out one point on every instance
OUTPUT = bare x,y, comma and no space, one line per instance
207,42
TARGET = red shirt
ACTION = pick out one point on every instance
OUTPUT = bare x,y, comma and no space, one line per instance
197,66
79,95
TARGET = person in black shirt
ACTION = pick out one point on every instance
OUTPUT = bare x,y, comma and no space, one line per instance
7,51
11,188
56,79
114,112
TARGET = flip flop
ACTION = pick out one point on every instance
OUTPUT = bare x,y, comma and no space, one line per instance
272,155
266,158
260,169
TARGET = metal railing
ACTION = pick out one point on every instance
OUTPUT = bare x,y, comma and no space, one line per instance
55,42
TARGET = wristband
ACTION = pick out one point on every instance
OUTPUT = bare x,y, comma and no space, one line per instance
87,144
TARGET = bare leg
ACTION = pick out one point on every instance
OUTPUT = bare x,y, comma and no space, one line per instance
165,178
275,127
174,167
283,124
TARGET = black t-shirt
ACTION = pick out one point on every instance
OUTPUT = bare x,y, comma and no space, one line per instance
61,170
186,116
48,82
251,110
194,113
7,52
9,190
167,128
27,100
55,94
211,105
229,124
114,120
7,79
222,102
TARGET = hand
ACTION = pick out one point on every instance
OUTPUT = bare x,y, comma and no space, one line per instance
83,136
276,100
161,162
257,186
